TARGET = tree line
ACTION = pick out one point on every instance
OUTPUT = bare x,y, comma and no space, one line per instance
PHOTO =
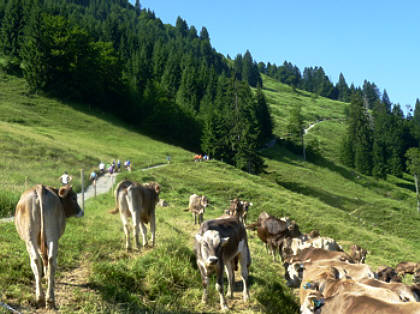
121,58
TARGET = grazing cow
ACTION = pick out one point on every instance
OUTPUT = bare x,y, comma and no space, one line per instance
406,293
40,222
197,206
387,274
217,244
407,268
297,272
293,269
358,253
350,303
138,202
298,244
271,231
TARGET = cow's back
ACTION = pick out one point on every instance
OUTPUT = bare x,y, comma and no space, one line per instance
228,227
28,214
149,200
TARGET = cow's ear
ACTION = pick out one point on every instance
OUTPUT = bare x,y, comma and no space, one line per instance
224,241
157,188
64,191
198,238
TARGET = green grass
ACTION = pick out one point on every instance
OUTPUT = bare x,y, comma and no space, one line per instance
41,137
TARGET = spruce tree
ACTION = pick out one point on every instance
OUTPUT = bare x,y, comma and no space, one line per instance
413,166
12,26
295,127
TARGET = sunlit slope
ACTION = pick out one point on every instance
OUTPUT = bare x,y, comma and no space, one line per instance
385,208
282,98
40,137
166,278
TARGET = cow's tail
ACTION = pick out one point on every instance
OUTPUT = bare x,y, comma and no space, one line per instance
44,248
122,184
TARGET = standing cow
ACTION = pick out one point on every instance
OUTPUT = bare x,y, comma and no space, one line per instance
239,209
138,202
217,244
197,206
40,221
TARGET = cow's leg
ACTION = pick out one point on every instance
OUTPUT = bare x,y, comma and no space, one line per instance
126,228
219,287
136,228
144,233
153,228
244,260
52,265
205,282
36,266
230,277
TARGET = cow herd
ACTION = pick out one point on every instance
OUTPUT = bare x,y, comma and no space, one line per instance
333,281
329,279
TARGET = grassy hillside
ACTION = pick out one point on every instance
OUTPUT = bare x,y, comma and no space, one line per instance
41,137
387,208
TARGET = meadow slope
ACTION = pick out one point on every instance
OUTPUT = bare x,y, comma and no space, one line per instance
40,137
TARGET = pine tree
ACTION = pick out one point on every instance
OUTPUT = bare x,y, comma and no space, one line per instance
413,166
415,122
295,127
263,116
12,26
343,89
386,101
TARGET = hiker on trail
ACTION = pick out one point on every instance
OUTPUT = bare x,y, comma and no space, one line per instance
127,165
111,169
93,176
118,165
65,178
101,167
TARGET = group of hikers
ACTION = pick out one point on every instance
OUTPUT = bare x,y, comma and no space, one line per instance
65,178
201,157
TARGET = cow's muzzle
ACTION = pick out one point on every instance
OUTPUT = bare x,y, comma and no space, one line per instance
212,260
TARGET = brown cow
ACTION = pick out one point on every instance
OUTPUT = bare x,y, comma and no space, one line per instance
358,253
40,221
387,274
293,264
407,268
138,202
239,209
406,293
350,303
217,244
271,231
197,206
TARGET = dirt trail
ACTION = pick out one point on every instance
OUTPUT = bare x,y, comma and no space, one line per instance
103,185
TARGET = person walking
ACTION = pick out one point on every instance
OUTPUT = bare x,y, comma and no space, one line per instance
101,167
93,176
65,178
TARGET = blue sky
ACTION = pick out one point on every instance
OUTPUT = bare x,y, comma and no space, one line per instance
374,40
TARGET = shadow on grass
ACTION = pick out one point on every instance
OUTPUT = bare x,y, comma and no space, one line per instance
408,186
326,197
273,297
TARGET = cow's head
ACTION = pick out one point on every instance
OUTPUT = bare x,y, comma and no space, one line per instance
293,273
69,201
358,254
313,301
293,229
204,201
313,234
210,245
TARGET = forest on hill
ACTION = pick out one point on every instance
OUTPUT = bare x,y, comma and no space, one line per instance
169,81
